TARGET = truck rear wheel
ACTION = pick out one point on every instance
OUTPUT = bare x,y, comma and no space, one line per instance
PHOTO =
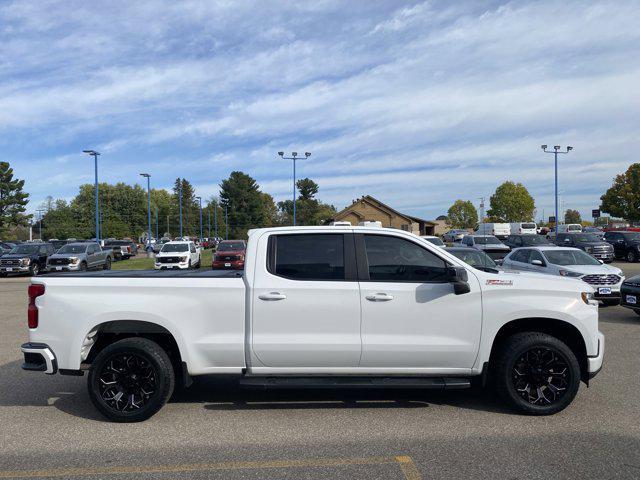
130,380
536,373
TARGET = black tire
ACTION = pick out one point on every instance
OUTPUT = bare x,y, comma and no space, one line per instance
189,265
83,267
631,256
34,270
637,312
611,303
142,373
107,264
522,364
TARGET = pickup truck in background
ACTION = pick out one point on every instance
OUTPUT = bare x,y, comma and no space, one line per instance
80,257
29,258
121,249
229,255
332,306
178,255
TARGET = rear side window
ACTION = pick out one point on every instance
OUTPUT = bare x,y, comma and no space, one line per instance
308,257
393,259
521,255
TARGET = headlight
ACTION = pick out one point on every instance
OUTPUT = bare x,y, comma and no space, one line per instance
25,261
569,273
587,297
73,260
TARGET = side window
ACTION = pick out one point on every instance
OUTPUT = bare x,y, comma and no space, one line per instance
536,255
522,255
192,248
42,250
307,257
393,259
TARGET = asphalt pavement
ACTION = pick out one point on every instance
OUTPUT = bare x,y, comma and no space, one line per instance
48,428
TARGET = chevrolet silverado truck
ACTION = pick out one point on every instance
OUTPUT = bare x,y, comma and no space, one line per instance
332,306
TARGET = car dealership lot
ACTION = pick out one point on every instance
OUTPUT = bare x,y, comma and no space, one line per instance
48,427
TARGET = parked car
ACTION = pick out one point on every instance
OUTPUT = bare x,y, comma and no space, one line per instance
30,258
157,246
499,230
517,241
307,312
178,255
437,241
455,235
565,228
230,254
488,244
520,228
625,244
570,263
630,294
594,230
122,249
590,243
57,244
80,257
476,258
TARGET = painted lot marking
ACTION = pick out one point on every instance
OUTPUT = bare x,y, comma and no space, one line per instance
408,468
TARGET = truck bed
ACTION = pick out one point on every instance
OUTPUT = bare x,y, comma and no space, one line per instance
153,274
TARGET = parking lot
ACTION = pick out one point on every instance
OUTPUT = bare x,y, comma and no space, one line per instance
48,428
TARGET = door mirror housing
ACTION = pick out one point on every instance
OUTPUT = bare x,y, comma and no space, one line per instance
537,263
459,278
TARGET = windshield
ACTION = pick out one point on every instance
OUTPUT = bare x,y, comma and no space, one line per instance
475,258
73,249
570,257
534,240
486,241
25,249
230,246
175,247
435,241
586,238
574,228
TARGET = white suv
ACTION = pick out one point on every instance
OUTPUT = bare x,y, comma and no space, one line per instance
178,254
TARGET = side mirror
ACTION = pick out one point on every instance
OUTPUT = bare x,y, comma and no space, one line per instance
567,240
538,263
459,278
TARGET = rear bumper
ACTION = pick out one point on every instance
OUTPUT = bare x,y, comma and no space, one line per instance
38,357
595,362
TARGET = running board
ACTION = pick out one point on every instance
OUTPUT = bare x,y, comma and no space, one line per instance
433,383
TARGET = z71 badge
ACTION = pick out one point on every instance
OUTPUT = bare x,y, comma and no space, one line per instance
503,283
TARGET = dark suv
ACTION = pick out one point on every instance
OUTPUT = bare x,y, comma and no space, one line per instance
28,258
589,242
517,241
625,244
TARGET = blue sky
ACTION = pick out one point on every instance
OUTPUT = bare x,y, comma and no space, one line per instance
417,103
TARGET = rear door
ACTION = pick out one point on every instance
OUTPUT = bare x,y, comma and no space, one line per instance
306,302
411,318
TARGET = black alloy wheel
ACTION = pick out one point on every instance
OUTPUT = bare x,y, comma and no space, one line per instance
83,267
107,264
130,380
536,373
631,256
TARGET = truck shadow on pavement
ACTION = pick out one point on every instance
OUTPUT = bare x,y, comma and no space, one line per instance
69,395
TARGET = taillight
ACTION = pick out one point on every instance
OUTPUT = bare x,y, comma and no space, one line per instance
35,290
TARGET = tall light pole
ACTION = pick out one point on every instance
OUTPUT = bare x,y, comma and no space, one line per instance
226,221
294,157
148,177
40,211
556,151
180,196
95,154
157,235
200,200
209,222
215,218
481,209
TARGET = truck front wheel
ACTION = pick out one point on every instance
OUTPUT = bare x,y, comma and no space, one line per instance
536,373
130,380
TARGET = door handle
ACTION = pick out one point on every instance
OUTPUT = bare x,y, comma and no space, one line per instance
272,296
379,297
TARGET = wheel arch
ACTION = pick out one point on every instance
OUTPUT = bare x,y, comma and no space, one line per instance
560,329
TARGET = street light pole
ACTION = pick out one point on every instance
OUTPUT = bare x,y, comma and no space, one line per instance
180,195
200,200
481,210
556,151
215,218
226,221
40,222
157,235
148,177
95,154
294,157
209,222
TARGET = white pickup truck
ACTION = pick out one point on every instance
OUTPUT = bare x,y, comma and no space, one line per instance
332,306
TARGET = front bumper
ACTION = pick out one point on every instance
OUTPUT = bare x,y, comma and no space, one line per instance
63,268
607,256
38,357
222,265
630,297
595,362
15,269
171,266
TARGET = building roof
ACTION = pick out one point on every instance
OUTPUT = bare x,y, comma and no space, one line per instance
370,199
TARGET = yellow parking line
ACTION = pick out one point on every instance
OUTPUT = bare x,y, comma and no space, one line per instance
406,464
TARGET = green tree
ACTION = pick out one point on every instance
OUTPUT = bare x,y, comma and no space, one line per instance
190,208
462,214
245,203
511,202
309,210
622,199
572,216
13,200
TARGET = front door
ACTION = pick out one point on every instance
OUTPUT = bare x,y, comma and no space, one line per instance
411,318
306,302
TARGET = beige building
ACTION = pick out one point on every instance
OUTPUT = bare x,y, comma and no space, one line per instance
369,209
